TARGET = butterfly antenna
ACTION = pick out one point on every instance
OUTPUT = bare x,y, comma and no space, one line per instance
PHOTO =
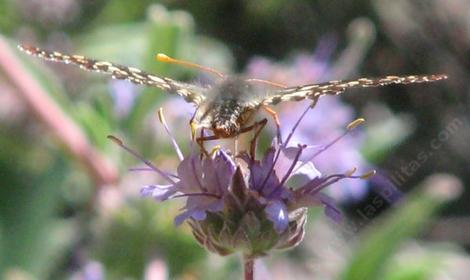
165,58
266,83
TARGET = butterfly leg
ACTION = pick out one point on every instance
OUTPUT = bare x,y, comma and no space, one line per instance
254,142
193,126
202,138
257,127
275,117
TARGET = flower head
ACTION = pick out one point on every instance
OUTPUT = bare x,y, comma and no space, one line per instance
236,202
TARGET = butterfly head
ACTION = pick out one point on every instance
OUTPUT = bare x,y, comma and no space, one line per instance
225,129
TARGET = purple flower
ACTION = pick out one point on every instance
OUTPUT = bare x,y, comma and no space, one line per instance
204,182
270,176
92,270
240,203
124,95
325,124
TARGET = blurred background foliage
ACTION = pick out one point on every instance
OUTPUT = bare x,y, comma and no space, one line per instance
68,213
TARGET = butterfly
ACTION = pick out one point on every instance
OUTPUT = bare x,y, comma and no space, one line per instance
228,106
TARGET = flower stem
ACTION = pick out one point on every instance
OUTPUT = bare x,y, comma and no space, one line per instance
248,267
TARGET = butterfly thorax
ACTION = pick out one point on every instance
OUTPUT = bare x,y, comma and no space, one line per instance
224,110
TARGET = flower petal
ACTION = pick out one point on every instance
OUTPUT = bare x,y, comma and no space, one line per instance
209,178
276,211
204,203
196,214
331,211
285,160
190,173
225,167
198,211
218,173
158,192
259,171
307,169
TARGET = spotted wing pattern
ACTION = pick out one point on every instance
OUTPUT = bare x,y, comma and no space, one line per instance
191,93
314,91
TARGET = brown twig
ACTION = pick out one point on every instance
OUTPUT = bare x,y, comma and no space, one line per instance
54,118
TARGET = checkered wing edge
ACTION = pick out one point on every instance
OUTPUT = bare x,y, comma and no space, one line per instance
191,93
314,91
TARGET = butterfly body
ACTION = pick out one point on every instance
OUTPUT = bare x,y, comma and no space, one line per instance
226,107
223,110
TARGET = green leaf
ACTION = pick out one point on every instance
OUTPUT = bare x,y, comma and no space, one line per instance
9,16
166,32
381,240
421,268
104,43
117,11
95,125
143,230
28,205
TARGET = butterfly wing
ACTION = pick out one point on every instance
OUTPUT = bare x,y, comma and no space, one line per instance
314,91
191,93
